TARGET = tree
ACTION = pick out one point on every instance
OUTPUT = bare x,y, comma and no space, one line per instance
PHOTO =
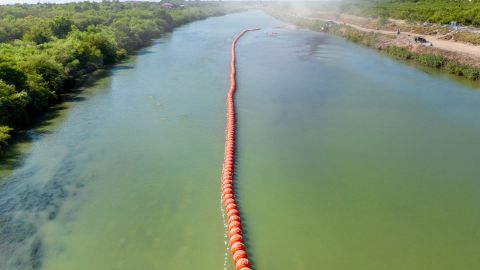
50,71
12,75
4,136
45,49
61,26
12,104
39,34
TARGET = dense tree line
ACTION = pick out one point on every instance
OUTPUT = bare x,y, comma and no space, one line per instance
46,48
464,12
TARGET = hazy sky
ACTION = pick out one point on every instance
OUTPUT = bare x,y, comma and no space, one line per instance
4,2
54,1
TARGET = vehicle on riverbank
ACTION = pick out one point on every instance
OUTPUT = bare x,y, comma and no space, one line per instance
460,59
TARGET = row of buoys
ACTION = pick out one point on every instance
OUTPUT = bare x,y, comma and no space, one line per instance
235,233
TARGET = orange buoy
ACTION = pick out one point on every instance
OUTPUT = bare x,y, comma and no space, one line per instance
239,255
242,263
235,238
234,218
232,212
235,233
228,196
231,206
234,224
236,247
229,201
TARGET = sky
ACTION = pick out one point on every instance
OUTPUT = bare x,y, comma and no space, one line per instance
4,2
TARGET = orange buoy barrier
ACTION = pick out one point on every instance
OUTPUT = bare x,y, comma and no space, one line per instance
235,234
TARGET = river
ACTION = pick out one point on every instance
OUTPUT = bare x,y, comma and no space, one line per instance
346,160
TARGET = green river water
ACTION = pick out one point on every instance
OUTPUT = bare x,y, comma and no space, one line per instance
346,160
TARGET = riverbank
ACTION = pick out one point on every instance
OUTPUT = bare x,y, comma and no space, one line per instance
400,46
444,36
334,135
46,52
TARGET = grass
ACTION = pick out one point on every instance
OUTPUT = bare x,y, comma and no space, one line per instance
434,61
360,37
472,38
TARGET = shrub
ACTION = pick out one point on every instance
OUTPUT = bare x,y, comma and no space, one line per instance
4,136
431,60
398,52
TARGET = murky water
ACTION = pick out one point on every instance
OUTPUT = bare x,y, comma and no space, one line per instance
346,160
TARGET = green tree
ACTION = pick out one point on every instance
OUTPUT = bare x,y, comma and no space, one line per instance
39,34
46,49
12,105
50,71
4,136
11,74
61,26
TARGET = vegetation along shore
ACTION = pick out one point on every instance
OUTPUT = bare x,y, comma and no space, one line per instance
410,35
47,49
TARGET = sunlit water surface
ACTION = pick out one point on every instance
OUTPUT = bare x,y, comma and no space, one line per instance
346,160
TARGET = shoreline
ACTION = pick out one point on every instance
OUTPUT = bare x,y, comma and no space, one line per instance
462,65
9,156
407,35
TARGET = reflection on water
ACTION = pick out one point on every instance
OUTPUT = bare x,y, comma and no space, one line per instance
346,160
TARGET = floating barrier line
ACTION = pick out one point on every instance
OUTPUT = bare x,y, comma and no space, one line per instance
235,233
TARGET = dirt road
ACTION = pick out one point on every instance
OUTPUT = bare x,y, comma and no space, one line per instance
442,44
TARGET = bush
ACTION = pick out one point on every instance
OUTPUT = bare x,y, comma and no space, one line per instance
39,34
472,73
4,136
13,104
357,36
431,60
398,52
61,26
11,74
455,68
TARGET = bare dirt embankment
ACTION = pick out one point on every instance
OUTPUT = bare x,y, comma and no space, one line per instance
459,51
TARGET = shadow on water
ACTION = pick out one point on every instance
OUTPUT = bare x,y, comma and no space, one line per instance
25,203
145,52
12,156
151,43
123,67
